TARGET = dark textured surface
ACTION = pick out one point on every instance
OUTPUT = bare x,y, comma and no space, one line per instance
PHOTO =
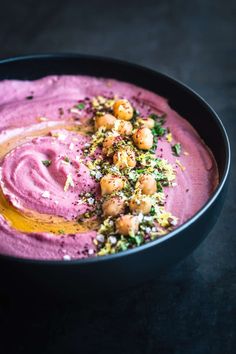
192,309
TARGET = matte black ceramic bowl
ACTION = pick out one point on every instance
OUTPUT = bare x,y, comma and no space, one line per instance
131,267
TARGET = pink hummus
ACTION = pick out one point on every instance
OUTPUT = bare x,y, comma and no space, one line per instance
57,190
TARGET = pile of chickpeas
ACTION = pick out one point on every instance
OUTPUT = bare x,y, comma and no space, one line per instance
142,137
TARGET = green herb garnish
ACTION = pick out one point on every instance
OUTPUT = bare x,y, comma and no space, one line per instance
154,146
139,239
122,245
80,106
159,187
152,211
158,129
66,159
176,149
61,232
142,170
135,114
47,163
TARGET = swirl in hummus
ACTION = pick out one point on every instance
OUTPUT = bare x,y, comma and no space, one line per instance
91,167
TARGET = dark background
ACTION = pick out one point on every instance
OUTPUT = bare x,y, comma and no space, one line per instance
192,308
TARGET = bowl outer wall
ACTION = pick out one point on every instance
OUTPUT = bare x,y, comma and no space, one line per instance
148,261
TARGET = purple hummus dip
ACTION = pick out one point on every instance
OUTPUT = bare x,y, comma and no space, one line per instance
94,166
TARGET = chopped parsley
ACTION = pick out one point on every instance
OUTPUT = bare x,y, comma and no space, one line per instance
176,149
158,129
61,232
142,170
152,211
80,106
66,159
159,187
154,146
46,163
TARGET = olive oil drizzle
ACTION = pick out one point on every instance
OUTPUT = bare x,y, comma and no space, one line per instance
33,222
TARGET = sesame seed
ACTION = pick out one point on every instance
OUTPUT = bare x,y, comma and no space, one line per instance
66,257
91,201
46,194
112,240
100,238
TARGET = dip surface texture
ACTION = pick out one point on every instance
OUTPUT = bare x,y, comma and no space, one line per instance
52,162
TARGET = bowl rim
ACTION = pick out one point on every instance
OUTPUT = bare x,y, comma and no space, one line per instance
182,227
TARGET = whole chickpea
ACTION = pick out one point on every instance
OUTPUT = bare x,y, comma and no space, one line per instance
143,138
123,127
127,224
147,184
122,109
124,158
107,121
146,122
108,143
140,204
111,183
113,206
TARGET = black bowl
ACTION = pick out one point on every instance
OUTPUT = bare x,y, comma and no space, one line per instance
134,266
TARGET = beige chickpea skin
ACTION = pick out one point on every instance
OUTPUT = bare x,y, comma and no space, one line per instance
107,121
113,206
140,204
123,127
122,109
146,122
109,143
143,138
147,184
124,158
111,183
127,224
